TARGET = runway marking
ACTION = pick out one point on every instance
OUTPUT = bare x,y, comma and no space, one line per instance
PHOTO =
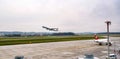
104,51
67,53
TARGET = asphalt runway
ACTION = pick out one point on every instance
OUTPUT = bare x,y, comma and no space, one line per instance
58,50
116,46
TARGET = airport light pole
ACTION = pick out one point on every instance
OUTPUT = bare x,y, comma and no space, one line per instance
108,23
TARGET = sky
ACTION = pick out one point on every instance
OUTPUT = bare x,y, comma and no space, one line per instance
67,15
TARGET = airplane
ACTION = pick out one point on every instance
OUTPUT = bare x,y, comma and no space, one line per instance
50,29
101,41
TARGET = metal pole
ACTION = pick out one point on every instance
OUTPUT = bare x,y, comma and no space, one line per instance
108,23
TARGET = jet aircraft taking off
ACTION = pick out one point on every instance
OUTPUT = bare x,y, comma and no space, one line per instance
101,41
50,29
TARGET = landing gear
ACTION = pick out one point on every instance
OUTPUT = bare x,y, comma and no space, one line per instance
100,43
110,44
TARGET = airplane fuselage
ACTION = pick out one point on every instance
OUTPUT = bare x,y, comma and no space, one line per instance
103,42
50,29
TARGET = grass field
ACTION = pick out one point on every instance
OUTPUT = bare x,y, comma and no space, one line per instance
40,39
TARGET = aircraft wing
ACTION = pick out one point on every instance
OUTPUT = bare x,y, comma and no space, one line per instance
50,29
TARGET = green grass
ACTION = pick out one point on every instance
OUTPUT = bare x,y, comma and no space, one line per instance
40,39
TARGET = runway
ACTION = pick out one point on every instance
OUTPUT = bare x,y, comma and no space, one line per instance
57,50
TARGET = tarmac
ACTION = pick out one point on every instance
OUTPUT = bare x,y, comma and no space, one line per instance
58,50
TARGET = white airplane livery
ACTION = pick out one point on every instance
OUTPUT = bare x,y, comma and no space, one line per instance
101,41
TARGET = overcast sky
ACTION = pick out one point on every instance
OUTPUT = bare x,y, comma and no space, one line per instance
67,15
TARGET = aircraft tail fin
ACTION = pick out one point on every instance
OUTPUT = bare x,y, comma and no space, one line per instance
96,37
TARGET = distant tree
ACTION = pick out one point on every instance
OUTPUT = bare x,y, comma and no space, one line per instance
63,34
12,35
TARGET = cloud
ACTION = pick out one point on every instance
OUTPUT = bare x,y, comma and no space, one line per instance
68,15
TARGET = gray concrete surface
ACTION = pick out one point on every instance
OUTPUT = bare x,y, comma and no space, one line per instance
56,50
